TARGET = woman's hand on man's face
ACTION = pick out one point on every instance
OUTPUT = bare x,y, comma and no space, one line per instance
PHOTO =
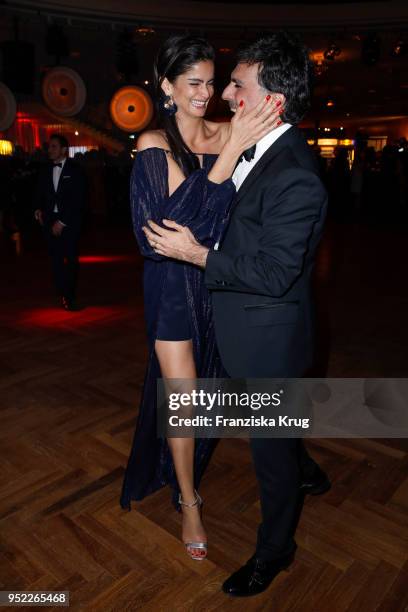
248,127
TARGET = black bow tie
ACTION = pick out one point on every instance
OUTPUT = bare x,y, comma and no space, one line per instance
248,154
58,164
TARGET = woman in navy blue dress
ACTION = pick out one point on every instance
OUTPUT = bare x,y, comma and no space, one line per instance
182,172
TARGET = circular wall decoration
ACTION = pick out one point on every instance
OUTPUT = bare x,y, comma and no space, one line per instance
8,107
64,91
131,108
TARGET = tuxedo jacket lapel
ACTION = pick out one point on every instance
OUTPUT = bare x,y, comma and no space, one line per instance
64,172
265,160
51,178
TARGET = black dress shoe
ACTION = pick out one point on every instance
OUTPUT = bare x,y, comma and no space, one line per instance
255,576
316,484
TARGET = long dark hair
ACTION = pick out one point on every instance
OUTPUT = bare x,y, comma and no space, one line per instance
177,55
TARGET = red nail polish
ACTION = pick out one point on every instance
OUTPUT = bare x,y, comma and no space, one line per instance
278,103
241,103
279,122
268,97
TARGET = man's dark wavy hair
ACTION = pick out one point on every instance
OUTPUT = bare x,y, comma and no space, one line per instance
61,139
284,67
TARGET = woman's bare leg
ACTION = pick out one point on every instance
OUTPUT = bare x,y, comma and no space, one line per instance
176,360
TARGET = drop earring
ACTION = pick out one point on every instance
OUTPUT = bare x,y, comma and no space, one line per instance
169,106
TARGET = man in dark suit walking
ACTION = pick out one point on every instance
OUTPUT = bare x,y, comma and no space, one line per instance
59,208
260,282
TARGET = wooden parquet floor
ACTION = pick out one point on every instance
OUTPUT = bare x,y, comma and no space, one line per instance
69,389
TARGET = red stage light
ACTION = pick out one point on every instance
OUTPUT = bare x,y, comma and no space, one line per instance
59,318
90,259
36,131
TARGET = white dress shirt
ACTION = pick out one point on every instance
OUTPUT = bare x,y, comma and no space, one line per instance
244,167
56,173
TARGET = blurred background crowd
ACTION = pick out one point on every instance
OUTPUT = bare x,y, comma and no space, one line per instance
107,188
373,188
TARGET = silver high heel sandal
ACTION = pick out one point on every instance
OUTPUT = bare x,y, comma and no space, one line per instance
198,545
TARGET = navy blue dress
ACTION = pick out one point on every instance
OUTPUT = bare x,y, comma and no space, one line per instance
177,306
174,322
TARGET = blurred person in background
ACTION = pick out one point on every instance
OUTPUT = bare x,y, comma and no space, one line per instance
59,208
357,179
339,184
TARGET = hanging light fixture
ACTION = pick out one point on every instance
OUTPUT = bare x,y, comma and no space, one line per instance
144,32
131,109
400,48
64,91
332,52
320,64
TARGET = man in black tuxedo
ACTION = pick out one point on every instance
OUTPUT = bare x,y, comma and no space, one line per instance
260,282
59,208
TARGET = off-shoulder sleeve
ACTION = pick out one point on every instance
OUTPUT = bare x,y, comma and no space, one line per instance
201,205
147,191
198,203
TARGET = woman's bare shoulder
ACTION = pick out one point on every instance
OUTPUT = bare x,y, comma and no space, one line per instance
152,139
